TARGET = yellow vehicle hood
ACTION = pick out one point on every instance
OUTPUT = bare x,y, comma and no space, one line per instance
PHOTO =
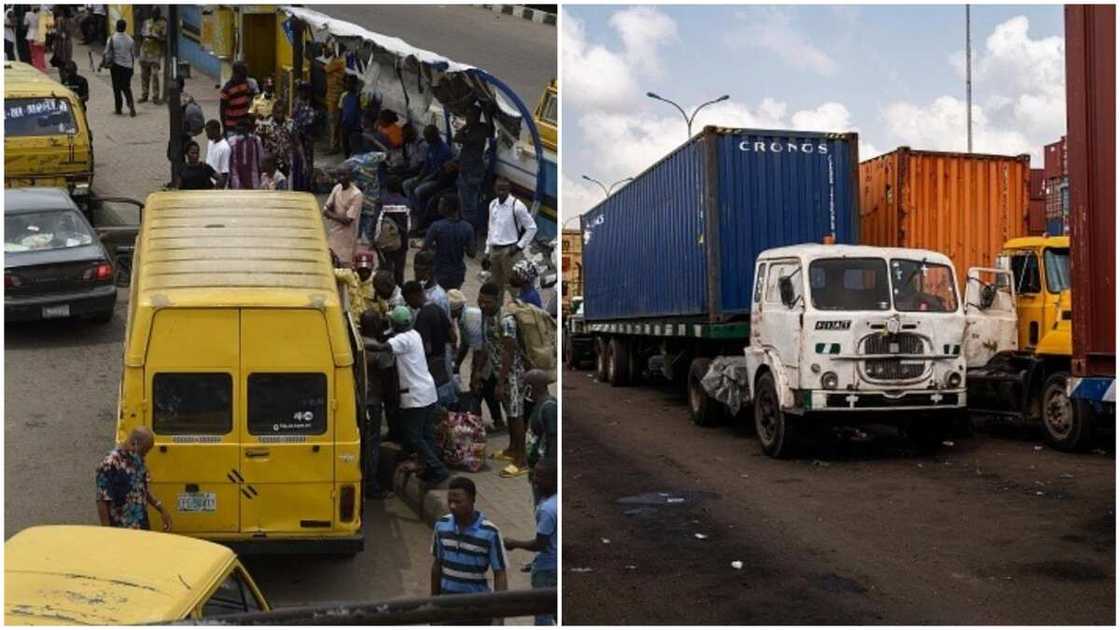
46,156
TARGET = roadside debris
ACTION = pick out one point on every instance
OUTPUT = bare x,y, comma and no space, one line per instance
675,500
948,443
817,462
700,536
581,569
606,541
631,567
1037,448
1065,476
737,565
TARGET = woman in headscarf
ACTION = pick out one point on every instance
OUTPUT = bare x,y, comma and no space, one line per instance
62,46
278,133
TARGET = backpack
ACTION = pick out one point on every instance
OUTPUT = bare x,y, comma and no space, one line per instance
537,331
388,239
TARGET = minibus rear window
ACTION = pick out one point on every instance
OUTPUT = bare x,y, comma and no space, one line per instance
287,403
192,403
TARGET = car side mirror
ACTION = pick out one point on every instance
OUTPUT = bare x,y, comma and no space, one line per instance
785,286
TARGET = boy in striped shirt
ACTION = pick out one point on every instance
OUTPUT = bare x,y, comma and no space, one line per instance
465,546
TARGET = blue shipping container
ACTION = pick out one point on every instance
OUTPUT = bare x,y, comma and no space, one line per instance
680,241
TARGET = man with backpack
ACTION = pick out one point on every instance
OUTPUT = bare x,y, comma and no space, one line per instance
511,230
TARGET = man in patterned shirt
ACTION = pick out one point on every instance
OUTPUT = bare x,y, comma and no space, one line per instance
507,361
359,285
122,485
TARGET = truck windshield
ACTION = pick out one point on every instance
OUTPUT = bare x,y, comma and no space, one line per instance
923,286
1057,270
849,284
38,117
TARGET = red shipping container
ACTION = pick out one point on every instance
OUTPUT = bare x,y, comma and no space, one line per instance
1091,124
1036,209
1055,159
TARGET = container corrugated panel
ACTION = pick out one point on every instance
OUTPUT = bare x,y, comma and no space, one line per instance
653,250
1054,159
963,205
1091,125
1036,209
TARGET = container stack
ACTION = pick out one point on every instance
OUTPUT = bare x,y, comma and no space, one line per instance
1036,211
1055,173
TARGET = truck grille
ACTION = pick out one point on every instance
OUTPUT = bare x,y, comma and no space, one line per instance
893,369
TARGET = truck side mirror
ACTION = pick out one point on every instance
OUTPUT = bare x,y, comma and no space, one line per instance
987,296
785,286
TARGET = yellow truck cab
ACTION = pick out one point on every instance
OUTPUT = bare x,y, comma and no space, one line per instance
1022,373
47,138
240,357
545,116
85,575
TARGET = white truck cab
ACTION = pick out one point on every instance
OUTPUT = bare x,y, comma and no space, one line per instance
854,333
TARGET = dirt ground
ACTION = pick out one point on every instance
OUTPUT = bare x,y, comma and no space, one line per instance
994,529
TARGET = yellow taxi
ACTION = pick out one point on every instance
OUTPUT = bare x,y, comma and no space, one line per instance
240,358
47,139
84,575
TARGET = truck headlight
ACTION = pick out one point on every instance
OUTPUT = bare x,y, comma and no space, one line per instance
953,380
829,380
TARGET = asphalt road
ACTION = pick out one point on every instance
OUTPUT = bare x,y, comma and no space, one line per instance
991,530
519,52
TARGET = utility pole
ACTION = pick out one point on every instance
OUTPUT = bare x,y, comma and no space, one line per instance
968,69
174,93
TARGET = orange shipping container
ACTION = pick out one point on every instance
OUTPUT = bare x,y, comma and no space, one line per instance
963,205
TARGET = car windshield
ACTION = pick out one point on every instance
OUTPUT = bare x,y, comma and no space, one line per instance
920,285
1057,270
38,117
50,229
849,284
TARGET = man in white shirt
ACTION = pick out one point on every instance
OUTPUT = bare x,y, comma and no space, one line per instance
417,393
217,153
512,228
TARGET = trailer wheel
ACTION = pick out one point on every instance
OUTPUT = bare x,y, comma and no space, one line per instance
703,409
618,365
602,350
1065,429
777,431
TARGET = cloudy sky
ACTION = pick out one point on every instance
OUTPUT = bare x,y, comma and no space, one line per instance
894,74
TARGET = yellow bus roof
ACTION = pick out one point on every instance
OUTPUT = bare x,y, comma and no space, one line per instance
1035,242
76,574
234,248
21,79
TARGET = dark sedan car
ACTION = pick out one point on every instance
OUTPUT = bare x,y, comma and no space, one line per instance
55,266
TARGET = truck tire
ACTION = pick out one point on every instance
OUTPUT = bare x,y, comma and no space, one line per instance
704,410
618,364
1064,428
777,431
602,352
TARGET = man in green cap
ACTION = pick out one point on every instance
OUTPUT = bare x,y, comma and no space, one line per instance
417,392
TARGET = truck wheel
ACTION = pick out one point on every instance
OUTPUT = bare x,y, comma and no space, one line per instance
777,431
703,409
618,366
1065,429
601,358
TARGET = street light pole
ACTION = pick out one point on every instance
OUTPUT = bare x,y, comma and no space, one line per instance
688,119
174,93
608,191
968,69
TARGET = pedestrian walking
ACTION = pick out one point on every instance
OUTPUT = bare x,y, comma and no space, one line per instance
278,133
217,153
437,333
62,44
335,71
272,178
417,391
195,174
235,99
466,546
122,485
472,139
394,207
468,319
262,104
541,443
380,400
245,156
511,230
304,116
152,49
36,43
350,115
450,239
10,36
342,211
75,82
120,56
542,573
508,364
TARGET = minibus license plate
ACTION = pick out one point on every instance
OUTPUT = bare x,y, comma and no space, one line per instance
198,502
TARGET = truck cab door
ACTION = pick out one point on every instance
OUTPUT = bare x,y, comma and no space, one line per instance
991,321
779,320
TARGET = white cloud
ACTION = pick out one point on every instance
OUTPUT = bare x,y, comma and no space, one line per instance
772,29
942,126
831,116
597,77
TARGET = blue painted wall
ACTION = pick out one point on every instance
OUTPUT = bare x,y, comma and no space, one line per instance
189,50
